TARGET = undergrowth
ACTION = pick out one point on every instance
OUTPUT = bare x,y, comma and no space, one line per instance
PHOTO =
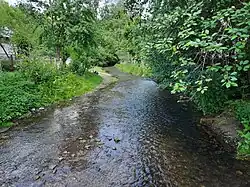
242,112
38,84
135,69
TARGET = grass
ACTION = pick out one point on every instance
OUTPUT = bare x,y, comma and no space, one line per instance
68,86
135,69
34,87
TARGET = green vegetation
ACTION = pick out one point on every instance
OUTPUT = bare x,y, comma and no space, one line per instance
243,145
199,49
242,112
42,41
24,29
135,69
38,84
194,48
113,31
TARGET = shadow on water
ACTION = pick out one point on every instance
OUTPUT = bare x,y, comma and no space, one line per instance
128,134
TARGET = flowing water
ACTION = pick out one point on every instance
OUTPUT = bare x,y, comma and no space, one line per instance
128,134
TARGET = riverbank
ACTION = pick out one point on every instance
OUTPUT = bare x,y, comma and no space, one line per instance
22,97
224,129
232,127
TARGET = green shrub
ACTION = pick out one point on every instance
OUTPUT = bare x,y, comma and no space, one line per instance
37,84
244,144
135,69
213,100
105,58
242,112
17,95
82,59
187,44
195,44
39,72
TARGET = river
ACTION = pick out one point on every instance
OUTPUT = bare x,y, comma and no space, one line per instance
129,133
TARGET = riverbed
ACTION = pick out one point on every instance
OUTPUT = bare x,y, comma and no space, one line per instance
130,133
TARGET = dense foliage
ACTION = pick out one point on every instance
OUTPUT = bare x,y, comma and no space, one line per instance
135,69
197,53
43,35
23,30
69,29
242,111
198,48
39,84
113,29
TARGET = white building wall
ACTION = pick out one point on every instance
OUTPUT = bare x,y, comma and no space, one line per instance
8,48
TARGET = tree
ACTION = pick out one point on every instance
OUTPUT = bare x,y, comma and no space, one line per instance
197,47
25,31
113,28
68,24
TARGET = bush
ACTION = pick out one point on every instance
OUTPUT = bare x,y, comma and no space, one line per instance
17,95
244,144
213,100
81,59
186,45
242,112
39,72
67,86
108,61
37,84
135,69
104,57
